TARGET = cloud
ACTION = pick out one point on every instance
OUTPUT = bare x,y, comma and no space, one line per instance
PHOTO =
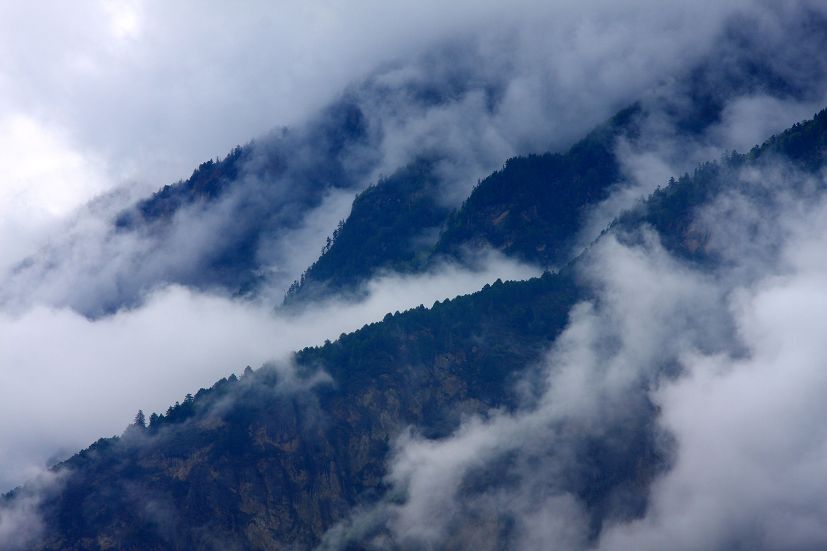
662,150
748,472
149,82
758,82
751,449
20,522
74,379
43,179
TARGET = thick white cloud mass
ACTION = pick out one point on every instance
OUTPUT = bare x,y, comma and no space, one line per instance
42,180
751,444
149,81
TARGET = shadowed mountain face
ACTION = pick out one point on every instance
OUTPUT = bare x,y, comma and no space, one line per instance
279,457
532,209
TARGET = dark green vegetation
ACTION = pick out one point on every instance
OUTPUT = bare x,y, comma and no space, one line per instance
265,462
391,226
532,209
208,183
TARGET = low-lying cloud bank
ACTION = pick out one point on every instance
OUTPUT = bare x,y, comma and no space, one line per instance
698,393
70,380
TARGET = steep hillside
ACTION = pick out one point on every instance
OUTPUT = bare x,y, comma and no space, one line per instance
257,463
391,226
671,210
534,207
531,209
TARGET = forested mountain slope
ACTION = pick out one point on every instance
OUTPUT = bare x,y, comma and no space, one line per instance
274,460
392,225
532,209
267,187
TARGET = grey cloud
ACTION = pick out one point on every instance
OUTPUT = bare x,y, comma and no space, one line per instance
20,523
203,77
757,82
662,150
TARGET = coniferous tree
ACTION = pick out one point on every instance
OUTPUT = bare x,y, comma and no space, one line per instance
140,420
